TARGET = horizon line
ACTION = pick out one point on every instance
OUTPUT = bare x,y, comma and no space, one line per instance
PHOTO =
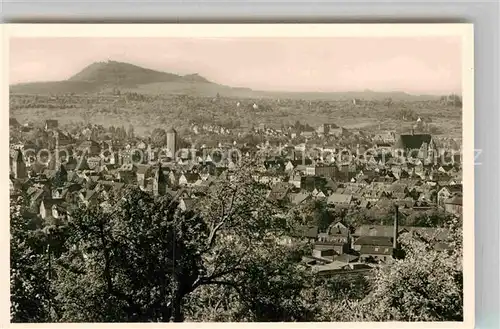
429,93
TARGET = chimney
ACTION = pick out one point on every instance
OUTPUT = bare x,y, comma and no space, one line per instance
396,228
412,131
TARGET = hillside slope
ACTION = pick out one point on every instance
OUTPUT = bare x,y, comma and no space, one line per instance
121,74
104,76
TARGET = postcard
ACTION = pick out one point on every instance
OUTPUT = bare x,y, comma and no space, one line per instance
283,174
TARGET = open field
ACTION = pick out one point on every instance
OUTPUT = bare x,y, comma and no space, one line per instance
181,111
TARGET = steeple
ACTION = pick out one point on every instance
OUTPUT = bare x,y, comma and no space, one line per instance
57,154
159,181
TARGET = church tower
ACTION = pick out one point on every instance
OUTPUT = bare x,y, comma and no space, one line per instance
172,142
159,181
18,166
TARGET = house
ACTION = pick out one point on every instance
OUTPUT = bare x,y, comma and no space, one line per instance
326,251
337,236
295,180
309,183
310,171
318,194
59,211
376,253
51,124
447,192
454,206
46,208
293,164
190,179
299,198
338,199
127,173
64,139
186,204
337,131
326,171
143,172
377,231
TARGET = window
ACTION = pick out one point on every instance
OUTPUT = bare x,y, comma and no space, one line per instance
376,248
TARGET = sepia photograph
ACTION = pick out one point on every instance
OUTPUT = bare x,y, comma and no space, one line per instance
226,173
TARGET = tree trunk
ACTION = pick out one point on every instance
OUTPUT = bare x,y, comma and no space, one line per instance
177,315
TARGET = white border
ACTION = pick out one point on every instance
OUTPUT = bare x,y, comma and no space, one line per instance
265,30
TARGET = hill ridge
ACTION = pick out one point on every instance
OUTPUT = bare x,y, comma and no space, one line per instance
102,75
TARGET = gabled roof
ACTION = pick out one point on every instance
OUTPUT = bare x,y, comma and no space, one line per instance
453,188
339,198
192,177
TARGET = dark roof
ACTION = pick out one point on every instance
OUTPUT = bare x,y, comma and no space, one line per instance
374,241
192,177
346,258
51,123
456,200
413,141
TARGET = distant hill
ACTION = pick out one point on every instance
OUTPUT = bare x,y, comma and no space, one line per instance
123,74
102,76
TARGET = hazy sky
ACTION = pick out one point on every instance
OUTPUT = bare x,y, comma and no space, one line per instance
415,65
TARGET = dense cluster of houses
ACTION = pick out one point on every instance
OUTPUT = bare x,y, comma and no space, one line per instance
342,249
82,173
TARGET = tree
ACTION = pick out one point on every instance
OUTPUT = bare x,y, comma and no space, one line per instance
429,218
29,284
316,212
159,137
142,259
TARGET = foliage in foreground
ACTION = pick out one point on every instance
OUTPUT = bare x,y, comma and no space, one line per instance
146,261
